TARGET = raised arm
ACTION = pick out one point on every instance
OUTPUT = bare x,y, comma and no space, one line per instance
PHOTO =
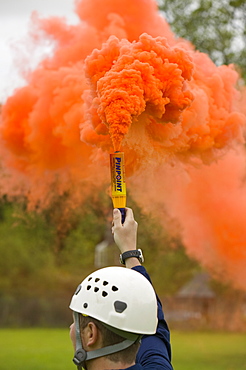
155,350
125,235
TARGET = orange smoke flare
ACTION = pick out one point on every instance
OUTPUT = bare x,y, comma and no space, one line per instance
131,78
120,78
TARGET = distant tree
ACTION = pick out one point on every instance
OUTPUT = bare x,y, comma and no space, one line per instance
215,27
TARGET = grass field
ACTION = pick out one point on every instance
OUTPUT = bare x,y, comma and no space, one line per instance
50,349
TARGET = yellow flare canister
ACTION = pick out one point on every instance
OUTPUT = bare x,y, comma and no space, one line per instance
118,184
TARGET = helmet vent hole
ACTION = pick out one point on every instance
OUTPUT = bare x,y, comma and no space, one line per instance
105,283
88,287
120,306
104,294
89,278
96,289
96,280
85,305
114,288
78,290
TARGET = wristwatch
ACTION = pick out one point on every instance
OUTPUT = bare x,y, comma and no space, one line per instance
137,253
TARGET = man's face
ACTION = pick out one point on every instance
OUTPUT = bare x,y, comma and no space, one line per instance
72,335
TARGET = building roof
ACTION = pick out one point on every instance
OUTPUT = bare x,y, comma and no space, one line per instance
197,287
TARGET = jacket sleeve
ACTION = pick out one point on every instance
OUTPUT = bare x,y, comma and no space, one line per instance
155,350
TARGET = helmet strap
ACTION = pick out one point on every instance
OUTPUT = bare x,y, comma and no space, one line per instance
81,356
109,349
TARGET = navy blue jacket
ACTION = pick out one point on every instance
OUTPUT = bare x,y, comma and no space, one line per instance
155,350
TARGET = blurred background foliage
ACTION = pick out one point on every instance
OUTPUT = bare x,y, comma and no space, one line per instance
44,257
45,254
214,27
42,261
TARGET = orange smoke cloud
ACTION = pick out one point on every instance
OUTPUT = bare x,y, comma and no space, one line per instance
206,205
214,203
131,78
120,79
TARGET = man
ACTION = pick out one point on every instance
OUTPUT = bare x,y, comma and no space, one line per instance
118,319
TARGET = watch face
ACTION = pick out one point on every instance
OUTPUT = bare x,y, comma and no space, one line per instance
141,257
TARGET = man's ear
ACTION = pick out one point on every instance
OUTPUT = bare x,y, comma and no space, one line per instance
92,334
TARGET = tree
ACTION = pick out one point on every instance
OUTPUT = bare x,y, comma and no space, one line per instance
215,27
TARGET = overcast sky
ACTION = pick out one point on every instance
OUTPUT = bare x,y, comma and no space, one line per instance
14,21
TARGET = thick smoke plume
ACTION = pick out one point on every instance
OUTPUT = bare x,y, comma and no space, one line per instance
120,80
129,79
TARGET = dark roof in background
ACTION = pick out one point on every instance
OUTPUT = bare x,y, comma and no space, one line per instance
197,287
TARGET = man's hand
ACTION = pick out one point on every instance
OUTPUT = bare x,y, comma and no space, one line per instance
125,235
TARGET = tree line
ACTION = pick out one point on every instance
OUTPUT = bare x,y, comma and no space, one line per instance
215,27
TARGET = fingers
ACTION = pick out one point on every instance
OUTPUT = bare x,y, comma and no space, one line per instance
125,235
129,213
117,215
130,220
117,218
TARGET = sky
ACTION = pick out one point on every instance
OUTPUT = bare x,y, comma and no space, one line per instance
14,24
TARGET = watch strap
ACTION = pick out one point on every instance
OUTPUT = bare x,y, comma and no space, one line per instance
137,253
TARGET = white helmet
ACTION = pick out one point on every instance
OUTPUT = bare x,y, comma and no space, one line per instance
119,297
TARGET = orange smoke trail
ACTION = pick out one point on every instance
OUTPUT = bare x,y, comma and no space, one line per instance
132,78
206,205
120,78
150,84
214,230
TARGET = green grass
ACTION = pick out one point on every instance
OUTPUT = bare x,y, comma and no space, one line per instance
50,349
209,351
36,349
